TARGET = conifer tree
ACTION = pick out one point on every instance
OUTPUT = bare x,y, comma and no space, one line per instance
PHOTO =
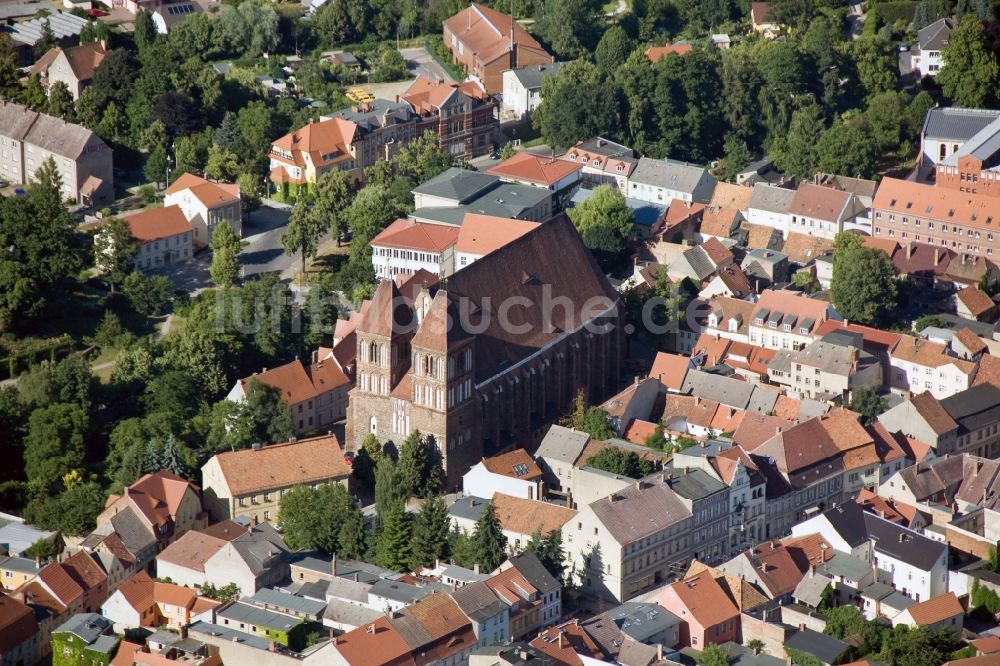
413,463
431,532
488,541
395,545
389,490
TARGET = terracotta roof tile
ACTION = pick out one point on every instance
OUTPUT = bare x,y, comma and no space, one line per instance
818,202
17,623
298,382
513,462
192,550
719,222
326,142
989,371
731,196
755,429
703,598
374,643
736,281
565,643
760,13
971,341
638,431
938,203
277,466
787,408
407,233
803,249
82,59
745,595
670,369
158,223
713,348
84,570
935,610
209,193
427,96
976,300
488,32
524,516
59,582
988,645
483,234
539,169
928,354
655,53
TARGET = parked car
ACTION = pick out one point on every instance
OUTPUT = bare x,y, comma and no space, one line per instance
94,12
349,458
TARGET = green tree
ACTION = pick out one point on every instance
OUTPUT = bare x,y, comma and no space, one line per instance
591,420
334,193
303,233
72,512
712,655
800,158
389,488
367,459
848,148
265,416
395,544
604,221
225,252
657,440
613,49
224,594
568,26
488,541
805,280
875,64
155,169
250,193
970,76
352,537
549,551
221,164
60,101
115,249
313,519
623,463
462,549
414,461
54,444
868,403
576,104
33,94
47,40
431,532
145,30
149,294
863,287
110,334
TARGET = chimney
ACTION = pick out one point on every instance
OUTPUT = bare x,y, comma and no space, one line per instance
333,564
184,631
659,652
371,629
937,255
475,567
909,250
213,614
560,639
357,577
902,537
802,627
638,484
334,640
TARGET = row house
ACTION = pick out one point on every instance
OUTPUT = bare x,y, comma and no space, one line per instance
966,422
829,368
786,320
662,181
910,562
817,210
918,365
708,614
543,171
604,162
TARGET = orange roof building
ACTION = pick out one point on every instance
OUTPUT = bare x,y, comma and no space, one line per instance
514,473
250,482
487,43
166,505
657,53
73,66
708,615
481,235
164,236
944,610
142,602
316,393
538,171
206,203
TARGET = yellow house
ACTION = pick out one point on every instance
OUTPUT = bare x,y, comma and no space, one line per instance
16,571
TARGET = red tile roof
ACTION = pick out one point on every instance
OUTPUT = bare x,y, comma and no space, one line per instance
158,496
543,170
158,223
638,431
656,53
325,142
702,597
670,369
719,222
976,300
17,624
298,382
938,203
489,33
935,610
971,341
192,550
508,464
989,371
304,461
566,642
209,193
525,516
427,96
760,12
406,233
377,642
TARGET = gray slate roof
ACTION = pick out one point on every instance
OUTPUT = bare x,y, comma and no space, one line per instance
957,124
983,146
914,549
845,566
260,547
696,484
668,174
699,262
85,626
18,536
468,507
724,390
637,513
534,572
284,600
810,589
934,37
228,634
827,648
478,602
243,612
398,591
347,613
770,198
974,408
531,77
380,113
461,573
132,531
562,444
457,184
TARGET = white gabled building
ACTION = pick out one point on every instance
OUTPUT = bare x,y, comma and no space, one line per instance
205,204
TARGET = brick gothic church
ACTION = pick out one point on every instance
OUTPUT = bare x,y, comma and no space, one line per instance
475,387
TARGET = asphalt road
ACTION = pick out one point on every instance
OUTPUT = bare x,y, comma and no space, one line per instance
262,249
420,63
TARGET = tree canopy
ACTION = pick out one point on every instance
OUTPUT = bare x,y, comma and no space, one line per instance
864,286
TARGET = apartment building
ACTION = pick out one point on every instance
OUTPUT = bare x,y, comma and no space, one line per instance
462,115
828,369
816,210
918,365
770,206
707,498
251,482
164,236
522,87
966,422
73,66
28,139
631,541
662,181
941,215
604,162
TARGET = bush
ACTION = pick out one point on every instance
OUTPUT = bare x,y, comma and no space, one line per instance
890,12
147,194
